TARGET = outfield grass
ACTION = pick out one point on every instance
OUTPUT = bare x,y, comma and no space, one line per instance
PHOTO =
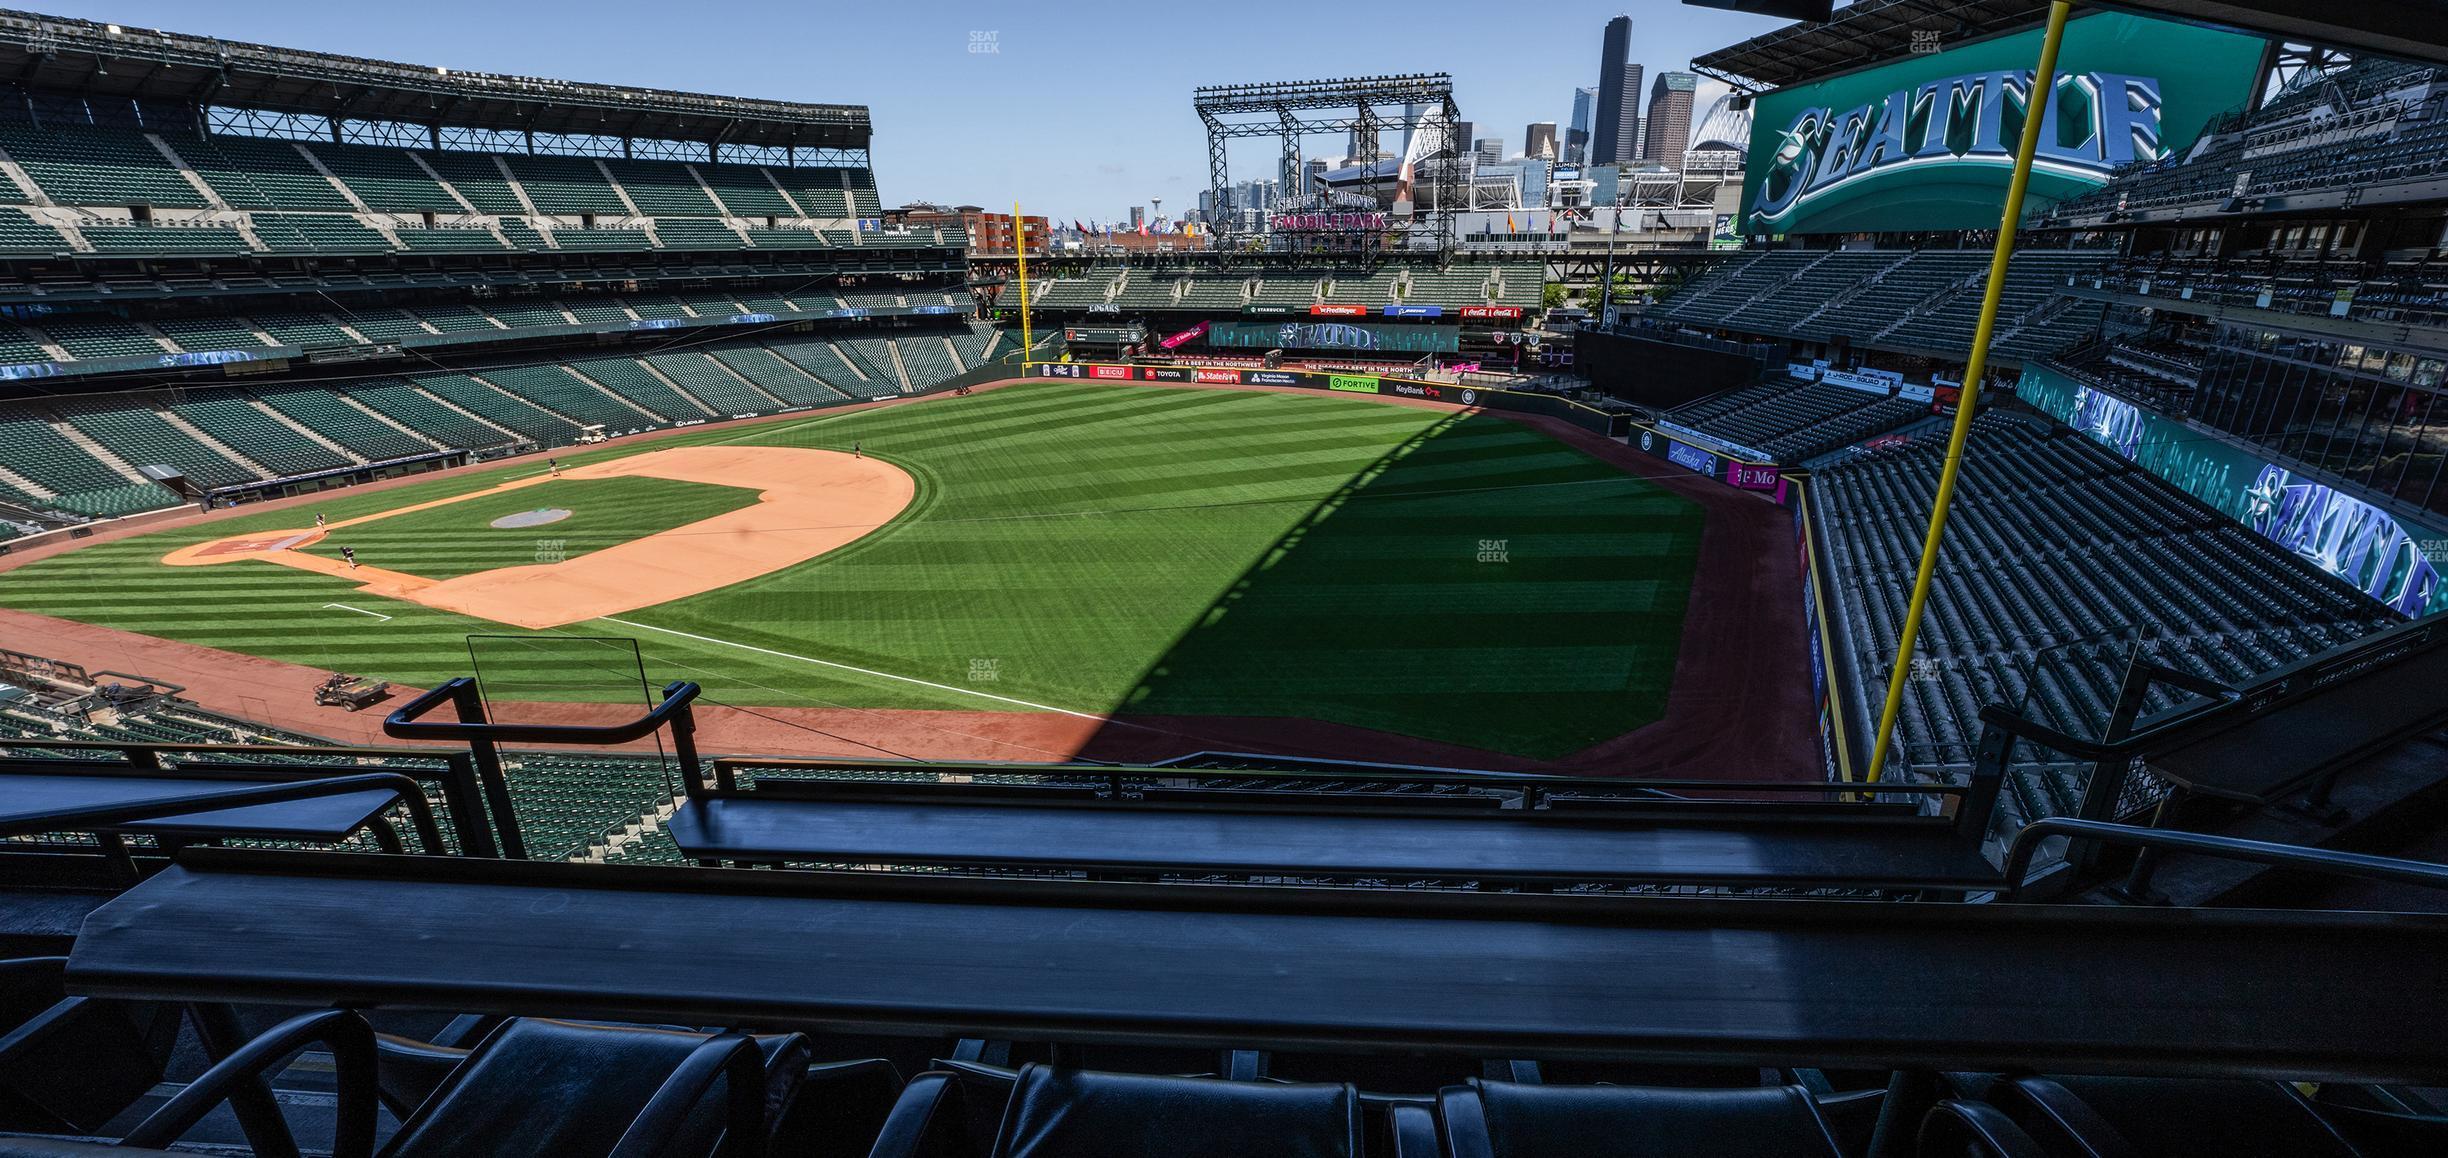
459,539
1091,548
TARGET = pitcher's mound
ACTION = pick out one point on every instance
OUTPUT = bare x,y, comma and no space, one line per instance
534,518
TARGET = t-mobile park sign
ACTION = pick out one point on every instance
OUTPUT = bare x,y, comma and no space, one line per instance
1328,222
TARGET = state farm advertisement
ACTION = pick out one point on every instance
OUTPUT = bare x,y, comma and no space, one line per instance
1230,377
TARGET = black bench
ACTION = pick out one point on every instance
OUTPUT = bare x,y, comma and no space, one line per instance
749,827
1153,821
322,806
2340,996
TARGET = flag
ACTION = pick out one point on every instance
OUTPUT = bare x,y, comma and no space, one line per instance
1510,227
1076,227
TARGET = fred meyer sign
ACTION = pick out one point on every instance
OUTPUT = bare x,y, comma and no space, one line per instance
1928,142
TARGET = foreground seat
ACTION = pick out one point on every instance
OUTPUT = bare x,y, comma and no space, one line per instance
532,1087
2107,1117
1487,1119
1088,1114
70,1064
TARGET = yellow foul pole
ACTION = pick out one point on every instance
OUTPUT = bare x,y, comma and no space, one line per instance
1020,246
2035,107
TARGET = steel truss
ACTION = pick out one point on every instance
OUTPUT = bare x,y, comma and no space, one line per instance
1362,107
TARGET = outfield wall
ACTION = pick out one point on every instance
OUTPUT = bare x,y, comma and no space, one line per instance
1590,418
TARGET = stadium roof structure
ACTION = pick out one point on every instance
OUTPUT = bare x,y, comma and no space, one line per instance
1866,32
94,59
1870,31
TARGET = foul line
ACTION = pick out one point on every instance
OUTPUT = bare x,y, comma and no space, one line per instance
860,670
359,610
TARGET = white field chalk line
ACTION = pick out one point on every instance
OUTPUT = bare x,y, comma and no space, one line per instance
848,667
360,611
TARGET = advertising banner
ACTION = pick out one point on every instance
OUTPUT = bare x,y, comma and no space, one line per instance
1330,310
2379,553
1415,311
1507,313
1109,371
1335,336
1223,377
1190,335
1690,457
1165,373
1803,371
1355,383
1927,142
1855,381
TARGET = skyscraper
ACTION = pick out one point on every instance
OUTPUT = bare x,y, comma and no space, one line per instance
1615,132
1670,119
1577,131
1539,140
1462,131
1489,149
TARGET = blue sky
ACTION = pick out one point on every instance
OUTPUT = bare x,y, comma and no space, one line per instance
1081,110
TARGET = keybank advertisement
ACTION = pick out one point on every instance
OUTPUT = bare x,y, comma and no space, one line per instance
1928,142
2332,530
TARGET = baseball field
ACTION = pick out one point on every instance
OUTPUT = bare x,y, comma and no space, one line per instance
1068,548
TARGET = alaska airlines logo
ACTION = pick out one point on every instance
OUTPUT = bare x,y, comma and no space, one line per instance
2095,123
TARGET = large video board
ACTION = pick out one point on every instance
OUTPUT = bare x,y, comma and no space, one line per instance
1928,142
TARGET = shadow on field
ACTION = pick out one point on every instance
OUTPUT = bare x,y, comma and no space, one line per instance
1481,585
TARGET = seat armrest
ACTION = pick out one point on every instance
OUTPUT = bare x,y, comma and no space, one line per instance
1414,1128
731,1058
1954,1128
927,1121
408,1071
343,1032
2051,1108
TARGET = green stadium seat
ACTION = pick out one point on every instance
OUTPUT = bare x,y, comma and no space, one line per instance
873,355
231,418
322,411
552,387
132,429
625,377
448,239
561,185
817,357
81,165
210,333
258,173
301,328
661,188
387,180
531,312
515,414
783,380
166,240
454,319
317,233
746,191
927,358
478,179
21,234
100,336
602,240
400,401
33,450
696,234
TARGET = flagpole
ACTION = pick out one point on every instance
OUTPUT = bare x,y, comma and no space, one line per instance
1020,247
2035,107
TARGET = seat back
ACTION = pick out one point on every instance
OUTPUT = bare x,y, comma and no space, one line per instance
1512,1120
70,1064
1090,1114
538,1086
2172,1116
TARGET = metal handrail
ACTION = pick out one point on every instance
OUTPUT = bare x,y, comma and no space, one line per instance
2348,864
406,723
